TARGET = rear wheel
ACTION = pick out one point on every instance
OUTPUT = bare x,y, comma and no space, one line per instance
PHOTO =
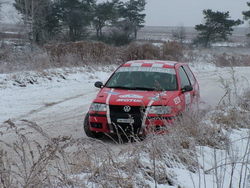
87,130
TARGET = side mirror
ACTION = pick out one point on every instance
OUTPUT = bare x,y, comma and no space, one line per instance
187,88
98,84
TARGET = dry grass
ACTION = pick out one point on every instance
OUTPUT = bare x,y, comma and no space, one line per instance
232,118
25,162
173,51
228,60
140,51
233,109
63,161
83,53
194,129
244,101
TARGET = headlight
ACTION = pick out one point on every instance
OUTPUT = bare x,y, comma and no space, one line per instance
98,107
160,110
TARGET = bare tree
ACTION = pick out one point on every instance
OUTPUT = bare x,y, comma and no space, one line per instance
180,33
1,3
34,14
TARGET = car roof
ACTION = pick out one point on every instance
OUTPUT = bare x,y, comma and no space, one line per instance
150,63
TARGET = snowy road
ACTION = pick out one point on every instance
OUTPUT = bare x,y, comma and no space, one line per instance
59,106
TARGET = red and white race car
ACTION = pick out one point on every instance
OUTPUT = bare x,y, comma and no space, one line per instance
140,95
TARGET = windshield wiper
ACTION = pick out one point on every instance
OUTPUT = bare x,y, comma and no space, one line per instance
132,88
143,88
118,87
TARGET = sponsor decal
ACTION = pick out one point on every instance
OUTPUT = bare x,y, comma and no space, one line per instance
128,100
112,93
158,96
146,69
153,98
131,96
177,100
187,98
161,94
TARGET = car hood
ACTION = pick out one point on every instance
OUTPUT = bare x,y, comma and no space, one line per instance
134,97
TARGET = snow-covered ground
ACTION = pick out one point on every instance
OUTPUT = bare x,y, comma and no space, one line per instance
57,101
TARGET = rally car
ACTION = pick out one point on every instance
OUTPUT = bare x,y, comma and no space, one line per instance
141,96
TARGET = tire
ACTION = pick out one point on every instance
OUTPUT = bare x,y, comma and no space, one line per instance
87,130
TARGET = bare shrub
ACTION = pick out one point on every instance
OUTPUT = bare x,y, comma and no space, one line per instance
191,128
179,33
231,118
140,51
28,163
84,51
51,163
173,51
172,152
244,101
228,60
4,51
20,58
63,161
233,87
233,112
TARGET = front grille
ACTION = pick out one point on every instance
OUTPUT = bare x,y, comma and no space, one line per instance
120,109
117,113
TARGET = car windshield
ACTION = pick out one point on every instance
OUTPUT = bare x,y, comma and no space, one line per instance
143,78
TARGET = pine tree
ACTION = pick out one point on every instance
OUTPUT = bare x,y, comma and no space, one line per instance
76,16
131,11
246,16
217,27
103,12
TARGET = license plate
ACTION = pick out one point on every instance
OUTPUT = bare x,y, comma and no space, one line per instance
125,120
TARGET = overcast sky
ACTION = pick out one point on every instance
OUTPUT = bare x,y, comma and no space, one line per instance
183,12
188,12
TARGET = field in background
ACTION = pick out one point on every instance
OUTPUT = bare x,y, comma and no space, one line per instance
151,33
238,38
16,53
163,33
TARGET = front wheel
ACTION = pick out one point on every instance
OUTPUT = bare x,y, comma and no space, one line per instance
87,130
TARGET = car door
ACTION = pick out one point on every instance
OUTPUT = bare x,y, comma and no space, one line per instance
194,83
187,96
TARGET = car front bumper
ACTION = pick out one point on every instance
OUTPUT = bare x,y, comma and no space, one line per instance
99,122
